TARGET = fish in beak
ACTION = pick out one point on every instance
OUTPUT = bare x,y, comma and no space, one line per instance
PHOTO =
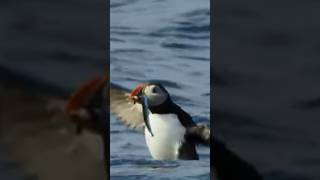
138,96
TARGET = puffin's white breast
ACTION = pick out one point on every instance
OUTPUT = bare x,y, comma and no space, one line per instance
168,135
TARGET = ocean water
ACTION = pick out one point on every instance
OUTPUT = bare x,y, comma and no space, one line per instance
168,42
59,43
276,43
267,99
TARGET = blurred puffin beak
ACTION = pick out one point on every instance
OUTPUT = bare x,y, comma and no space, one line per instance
137,95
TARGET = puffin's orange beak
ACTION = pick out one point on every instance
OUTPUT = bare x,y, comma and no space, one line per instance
135,92
82,97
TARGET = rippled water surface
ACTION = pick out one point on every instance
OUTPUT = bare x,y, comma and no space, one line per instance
277,44
168,42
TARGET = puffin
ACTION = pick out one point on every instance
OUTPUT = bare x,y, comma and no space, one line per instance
87,108
171,134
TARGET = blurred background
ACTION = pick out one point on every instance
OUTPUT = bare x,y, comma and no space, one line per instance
167,42
266,73
47,49
266,81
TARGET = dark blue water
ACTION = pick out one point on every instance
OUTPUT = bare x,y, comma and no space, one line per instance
165,41
58,42
267,103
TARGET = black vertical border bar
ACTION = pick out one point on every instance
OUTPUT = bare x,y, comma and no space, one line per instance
211,33
107,133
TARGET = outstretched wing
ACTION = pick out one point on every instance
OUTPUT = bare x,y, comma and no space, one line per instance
124,109
199,134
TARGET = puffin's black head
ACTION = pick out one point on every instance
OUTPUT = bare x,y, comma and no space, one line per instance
149,95
155,93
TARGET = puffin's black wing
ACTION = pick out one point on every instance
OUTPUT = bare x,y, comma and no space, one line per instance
126,111
199,134
195,133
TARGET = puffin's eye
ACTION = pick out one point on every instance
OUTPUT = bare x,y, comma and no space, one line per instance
154,90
